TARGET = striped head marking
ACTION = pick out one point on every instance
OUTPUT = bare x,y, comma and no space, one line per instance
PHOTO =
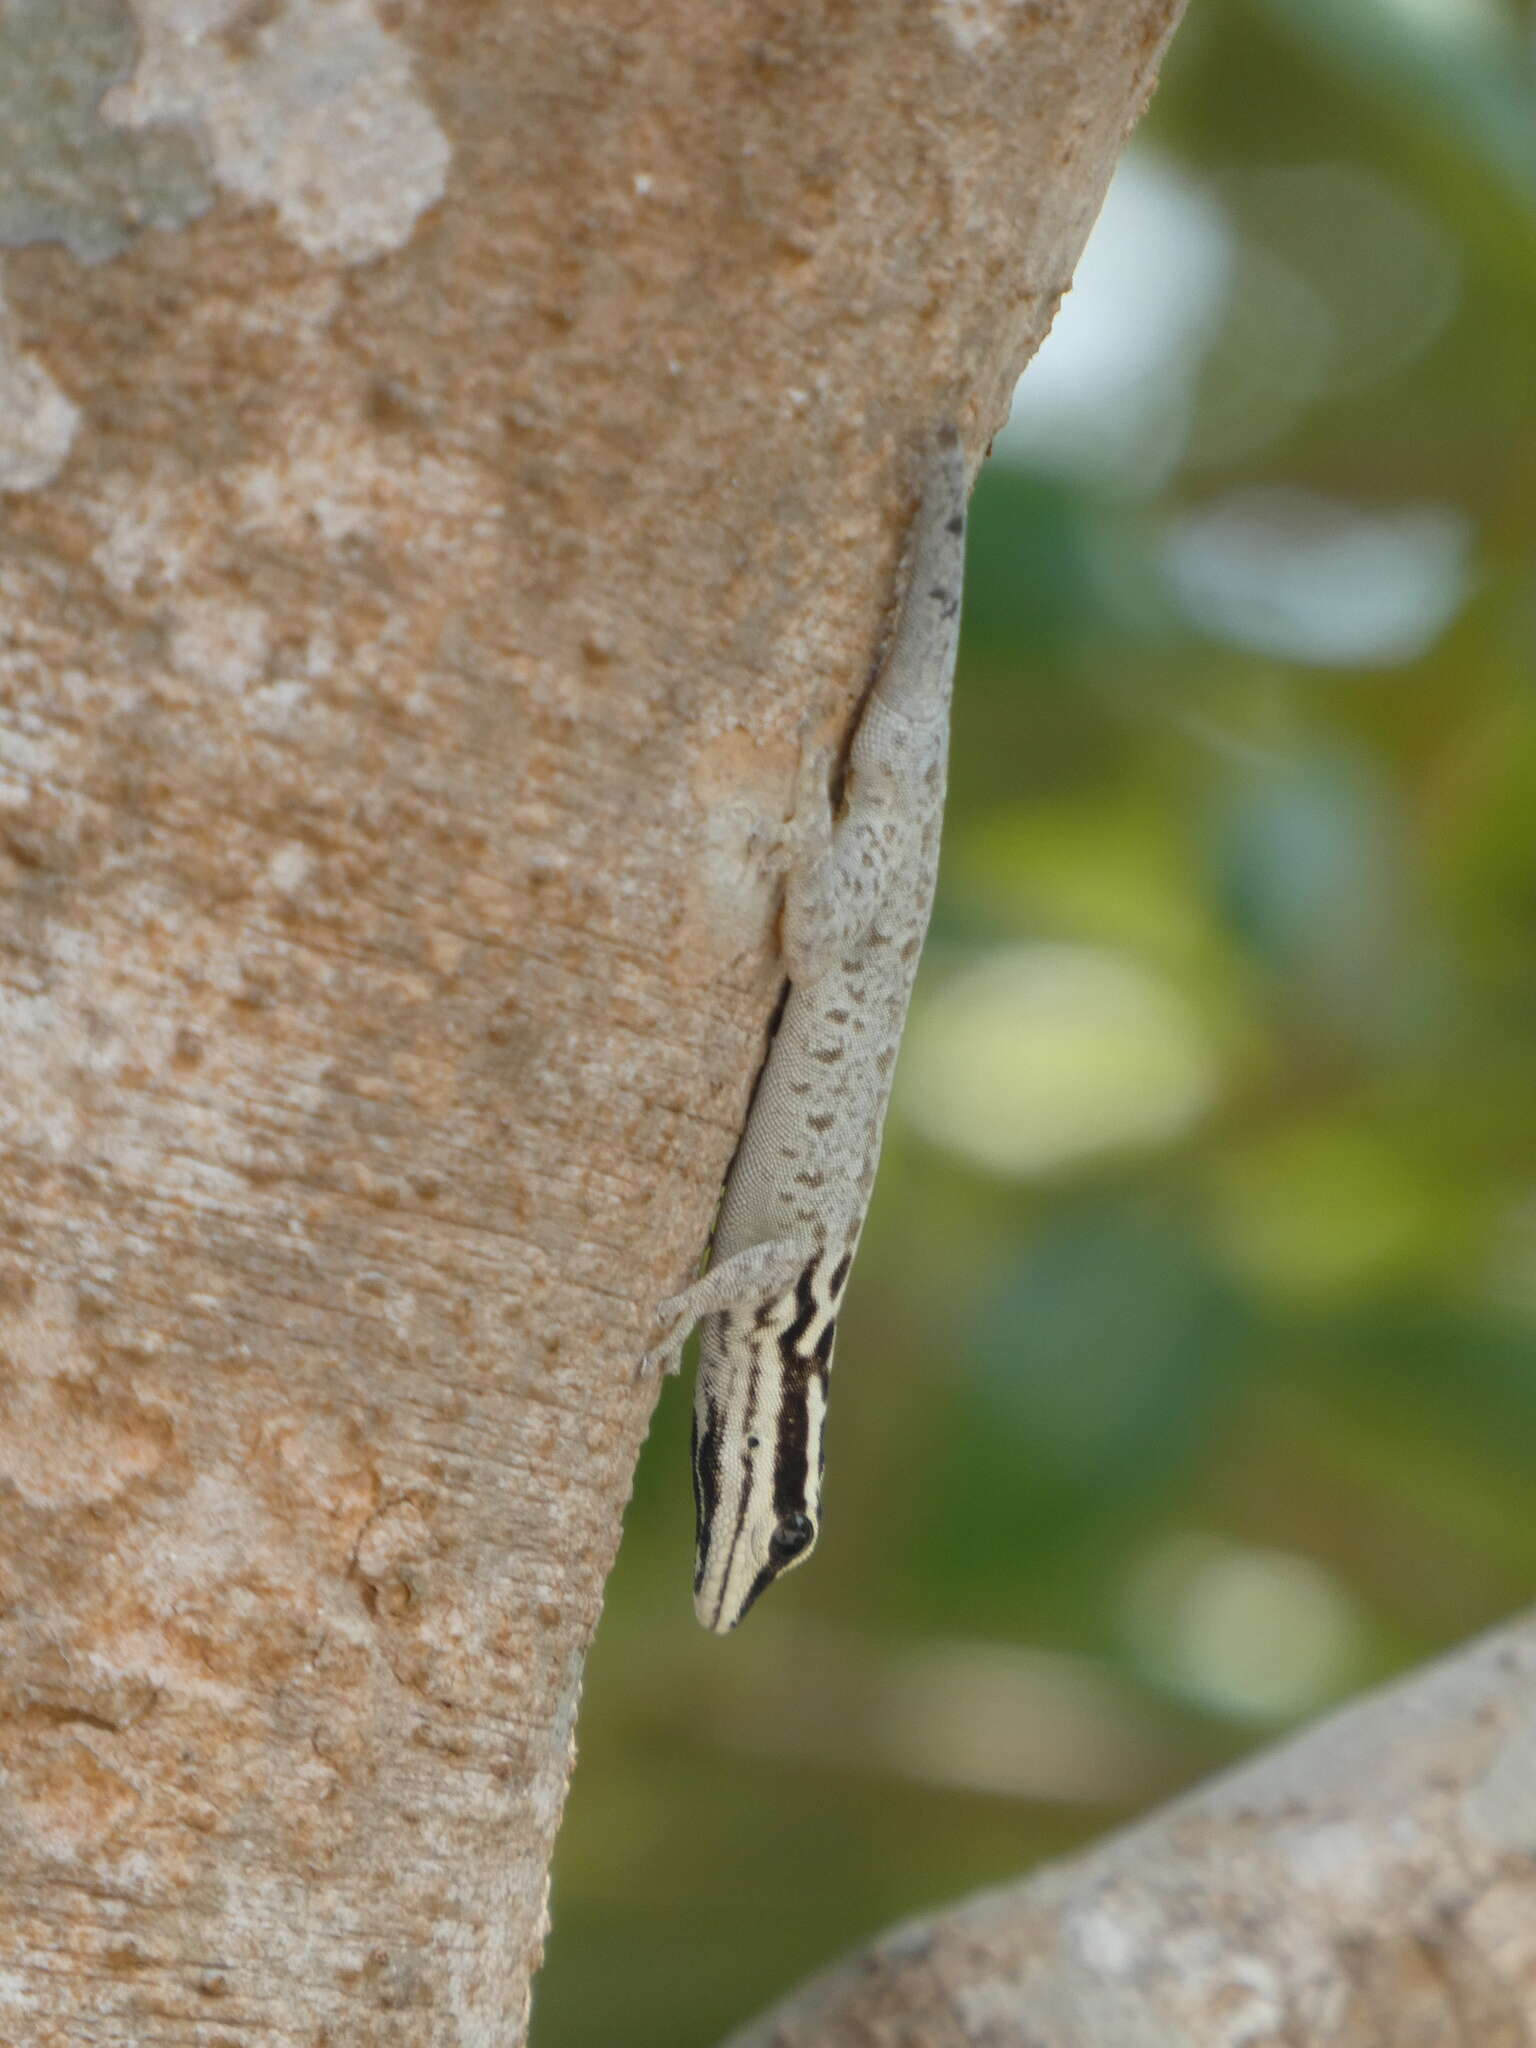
759,1412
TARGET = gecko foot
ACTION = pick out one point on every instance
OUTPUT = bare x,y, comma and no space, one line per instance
666,1354
660,1360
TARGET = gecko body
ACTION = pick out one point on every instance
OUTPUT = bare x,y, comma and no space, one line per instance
856,905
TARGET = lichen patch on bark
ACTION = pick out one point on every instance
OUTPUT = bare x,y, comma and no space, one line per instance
66,175
272,88
37,422
64,1439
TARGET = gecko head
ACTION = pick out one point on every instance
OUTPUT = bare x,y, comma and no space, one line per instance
757,1492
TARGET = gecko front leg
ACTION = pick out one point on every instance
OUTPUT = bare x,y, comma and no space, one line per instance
831,897
758,1271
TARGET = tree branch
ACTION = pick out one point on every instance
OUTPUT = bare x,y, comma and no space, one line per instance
1368,1884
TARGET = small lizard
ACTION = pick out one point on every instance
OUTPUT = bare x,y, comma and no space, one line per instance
857,897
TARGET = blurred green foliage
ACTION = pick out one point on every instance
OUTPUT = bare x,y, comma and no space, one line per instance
1161,1430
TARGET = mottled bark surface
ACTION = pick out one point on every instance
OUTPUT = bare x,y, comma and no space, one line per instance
448,449
1370,1885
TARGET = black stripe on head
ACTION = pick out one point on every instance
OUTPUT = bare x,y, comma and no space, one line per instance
839,1276
748,1465
760,1584
791,1456
693,1466
805,1315
706,1479
792,1473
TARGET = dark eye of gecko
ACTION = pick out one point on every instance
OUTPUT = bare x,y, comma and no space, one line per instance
791,1536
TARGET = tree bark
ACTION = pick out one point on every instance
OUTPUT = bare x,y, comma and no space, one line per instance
1371,1884
449,450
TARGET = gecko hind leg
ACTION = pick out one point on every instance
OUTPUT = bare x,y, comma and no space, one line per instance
829,907
757,1271
835,874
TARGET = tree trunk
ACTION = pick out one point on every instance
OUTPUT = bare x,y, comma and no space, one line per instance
1371,1884
450,449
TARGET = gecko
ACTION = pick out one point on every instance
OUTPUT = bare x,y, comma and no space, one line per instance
858,891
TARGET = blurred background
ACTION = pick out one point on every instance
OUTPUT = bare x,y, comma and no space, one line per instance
1188,1378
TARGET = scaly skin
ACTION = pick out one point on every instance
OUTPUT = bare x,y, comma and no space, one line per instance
856,908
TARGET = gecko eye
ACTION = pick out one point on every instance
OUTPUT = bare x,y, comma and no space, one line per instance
791,1537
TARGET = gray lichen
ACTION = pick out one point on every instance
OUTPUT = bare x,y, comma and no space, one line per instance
65,175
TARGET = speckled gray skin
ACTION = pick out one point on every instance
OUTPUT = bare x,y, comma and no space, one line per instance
857,900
